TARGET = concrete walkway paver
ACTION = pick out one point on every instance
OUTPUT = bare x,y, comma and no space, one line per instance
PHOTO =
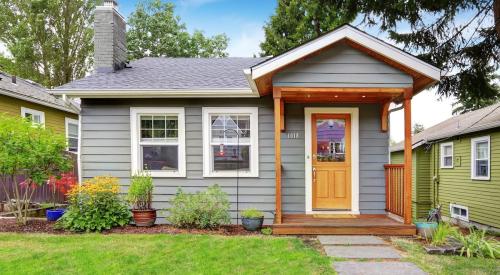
378,268
350,240
366,248
362,252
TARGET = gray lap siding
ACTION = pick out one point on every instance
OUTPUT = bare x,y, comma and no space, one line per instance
373,154
106,150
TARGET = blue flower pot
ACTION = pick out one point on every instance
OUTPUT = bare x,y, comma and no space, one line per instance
426,229
54,214
252,224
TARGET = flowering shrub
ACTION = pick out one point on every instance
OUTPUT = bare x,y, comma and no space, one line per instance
208,209
62,184
95,206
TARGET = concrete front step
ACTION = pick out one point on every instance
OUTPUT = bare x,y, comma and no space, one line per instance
350,240
377,268
362,252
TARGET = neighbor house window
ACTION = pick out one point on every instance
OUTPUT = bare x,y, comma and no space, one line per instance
480,154
158,141
230,142
36,117
459,212
446,155
72,134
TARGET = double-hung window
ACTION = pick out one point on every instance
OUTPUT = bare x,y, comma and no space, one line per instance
36,117
72,134
158,141
480,154
446,153
230,142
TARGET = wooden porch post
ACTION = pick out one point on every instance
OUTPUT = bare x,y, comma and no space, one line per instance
278,105
407,158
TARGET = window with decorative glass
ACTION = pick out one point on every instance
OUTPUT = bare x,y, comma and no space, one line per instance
230,142
159,145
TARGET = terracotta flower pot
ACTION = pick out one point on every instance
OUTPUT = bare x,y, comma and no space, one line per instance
144,217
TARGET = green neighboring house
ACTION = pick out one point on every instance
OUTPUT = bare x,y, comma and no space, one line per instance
21,97
456,164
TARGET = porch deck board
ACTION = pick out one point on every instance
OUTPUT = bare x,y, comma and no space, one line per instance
354,225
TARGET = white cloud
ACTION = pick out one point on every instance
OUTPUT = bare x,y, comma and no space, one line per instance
247,43
427,109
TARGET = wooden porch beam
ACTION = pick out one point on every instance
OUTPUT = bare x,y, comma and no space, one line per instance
407,159
285,89
278,103
385,116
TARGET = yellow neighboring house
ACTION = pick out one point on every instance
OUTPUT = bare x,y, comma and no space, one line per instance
22,97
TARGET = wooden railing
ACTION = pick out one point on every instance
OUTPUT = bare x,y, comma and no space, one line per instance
394,189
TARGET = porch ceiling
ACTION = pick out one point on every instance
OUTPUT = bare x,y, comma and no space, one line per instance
339,95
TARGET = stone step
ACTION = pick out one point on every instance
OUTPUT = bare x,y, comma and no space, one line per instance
362,252
377,268
350,240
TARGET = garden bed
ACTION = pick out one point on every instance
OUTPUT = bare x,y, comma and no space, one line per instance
42,226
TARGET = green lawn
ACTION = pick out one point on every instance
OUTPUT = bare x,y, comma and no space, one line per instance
150,254
446,264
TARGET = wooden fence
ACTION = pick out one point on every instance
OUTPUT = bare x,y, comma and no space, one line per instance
42,193
394,189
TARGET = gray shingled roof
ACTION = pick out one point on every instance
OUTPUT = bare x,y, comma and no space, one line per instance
160,73
32,92
475,121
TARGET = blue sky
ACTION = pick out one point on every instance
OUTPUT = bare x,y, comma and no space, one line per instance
240,20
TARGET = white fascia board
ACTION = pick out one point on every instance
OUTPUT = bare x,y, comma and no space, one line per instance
357,36
148,93
251,82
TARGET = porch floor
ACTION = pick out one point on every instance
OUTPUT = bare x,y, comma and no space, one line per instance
303,224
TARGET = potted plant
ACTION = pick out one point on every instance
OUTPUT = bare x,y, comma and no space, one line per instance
139,196
59,185
252,219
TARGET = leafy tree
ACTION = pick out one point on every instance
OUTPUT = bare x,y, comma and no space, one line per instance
462,37
417,128
50,40
35,153
296,22
154,30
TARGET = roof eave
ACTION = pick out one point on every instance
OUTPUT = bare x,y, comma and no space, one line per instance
159,93
347,32
37,101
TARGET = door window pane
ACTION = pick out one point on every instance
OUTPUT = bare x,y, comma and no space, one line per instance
330,140
160,157
226,157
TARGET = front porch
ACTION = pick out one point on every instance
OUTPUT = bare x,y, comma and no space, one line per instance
303,224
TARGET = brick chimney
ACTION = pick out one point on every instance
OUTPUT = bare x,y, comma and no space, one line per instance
110,46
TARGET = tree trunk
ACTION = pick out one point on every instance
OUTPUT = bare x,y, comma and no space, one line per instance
496,14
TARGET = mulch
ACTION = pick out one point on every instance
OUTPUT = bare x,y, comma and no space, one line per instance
41,226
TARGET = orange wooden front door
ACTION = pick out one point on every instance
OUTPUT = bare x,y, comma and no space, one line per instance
331,151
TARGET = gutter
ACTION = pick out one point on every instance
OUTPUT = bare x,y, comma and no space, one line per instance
158,93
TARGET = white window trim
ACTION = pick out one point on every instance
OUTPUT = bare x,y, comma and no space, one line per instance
473,142
460,217
254,141
68,121
25,110
441,155
134,128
